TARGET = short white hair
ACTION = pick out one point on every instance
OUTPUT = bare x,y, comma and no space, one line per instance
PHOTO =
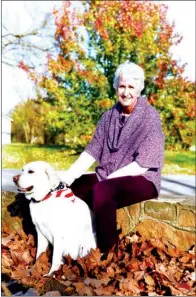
134,71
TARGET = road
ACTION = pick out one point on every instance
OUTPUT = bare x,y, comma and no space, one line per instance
170,184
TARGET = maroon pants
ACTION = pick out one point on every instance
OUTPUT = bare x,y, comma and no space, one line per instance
106,196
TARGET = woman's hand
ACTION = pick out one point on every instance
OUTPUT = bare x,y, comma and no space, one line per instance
131,169
114,174
66,177
79,167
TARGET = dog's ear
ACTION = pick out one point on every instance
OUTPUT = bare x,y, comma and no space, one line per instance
52,176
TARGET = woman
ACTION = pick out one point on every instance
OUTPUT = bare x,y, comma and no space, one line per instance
129,147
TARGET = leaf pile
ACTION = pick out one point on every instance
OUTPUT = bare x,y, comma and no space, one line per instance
133,267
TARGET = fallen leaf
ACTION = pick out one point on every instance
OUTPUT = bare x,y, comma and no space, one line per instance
93,259
83,290
138,275
105,291
6,260
21,255
41,265
134,265
149,280
5,240
129,285
110,272
20,273
95,283
69,291
185,286
185,258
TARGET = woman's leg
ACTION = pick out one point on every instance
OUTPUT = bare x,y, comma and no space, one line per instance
110,194
83,187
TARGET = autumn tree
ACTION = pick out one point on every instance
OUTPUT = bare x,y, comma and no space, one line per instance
28,122
91,44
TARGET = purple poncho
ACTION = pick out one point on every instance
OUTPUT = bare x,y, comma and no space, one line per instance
140,139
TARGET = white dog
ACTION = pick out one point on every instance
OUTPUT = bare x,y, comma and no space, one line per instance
59,216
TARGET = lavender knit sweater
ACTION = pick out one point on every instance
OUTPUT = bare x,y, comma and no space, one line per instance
139,139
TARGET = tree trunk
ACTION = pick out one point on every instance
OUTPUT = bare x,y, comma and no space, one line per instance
26,132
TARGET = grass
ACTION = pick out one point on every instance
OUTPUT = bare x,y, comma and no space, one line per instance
179,162
16,155
60,157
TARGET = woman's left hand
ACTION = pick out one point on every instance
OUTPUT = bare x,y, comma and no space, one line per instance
113,175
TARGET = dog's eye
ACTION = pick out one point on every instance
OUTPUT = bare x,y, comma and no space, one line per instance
30,171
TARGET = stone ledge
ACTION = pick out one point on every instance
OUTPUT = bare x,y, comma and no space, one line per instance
174,237
171,218
186,218
184,200
160,210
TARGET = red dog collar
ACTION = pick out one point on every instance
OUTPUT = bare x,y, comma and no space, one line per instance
67,193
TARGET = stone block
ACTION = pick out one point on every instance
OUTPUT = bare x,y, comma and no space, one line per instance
186,218
123,220
151,228
160,211
134,212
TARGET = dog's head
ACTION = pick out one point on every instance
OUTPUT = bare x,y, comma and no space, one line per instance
36,180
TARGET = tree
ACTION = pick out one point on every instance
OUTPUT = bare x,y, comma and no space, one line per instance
176,103
28,123
80,78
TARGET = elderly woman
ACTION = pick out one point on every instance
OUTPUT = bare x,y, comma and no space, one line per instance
128,144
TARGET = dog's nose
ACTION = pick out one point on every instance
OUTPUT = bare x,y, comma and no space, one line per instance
16,178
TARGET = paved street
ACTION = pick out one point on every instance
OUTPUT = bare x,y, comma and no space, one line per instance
170,184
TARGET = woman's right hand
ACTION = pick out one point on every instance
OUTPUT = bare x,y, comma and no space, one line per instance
66,177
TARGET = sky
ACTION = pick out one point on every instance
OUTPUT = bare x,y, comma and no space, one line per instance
20,17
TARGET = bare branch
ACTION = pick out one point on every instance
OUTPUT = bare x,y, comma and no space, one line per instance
4,36
11,64
4,27
26,45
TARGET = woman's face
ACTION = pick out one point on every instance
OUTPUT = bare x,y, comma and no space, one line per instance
127,93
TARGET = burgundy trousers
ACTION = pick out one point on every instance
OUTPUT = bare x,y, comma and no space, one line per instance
106,196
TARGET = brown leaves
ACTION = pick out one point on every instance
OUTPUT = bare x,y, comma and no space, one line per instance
83,289
93,259
41,266
21,256
133,267
6,261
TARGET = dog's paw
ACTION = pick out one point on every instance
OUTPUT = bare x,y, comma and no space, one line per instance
49,274
52,269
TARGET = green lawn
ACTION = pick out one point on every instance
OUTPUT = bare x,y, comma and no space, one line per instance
16,155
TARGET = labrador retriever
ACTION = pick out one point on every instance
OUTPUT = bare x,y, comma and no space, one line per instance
60,218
